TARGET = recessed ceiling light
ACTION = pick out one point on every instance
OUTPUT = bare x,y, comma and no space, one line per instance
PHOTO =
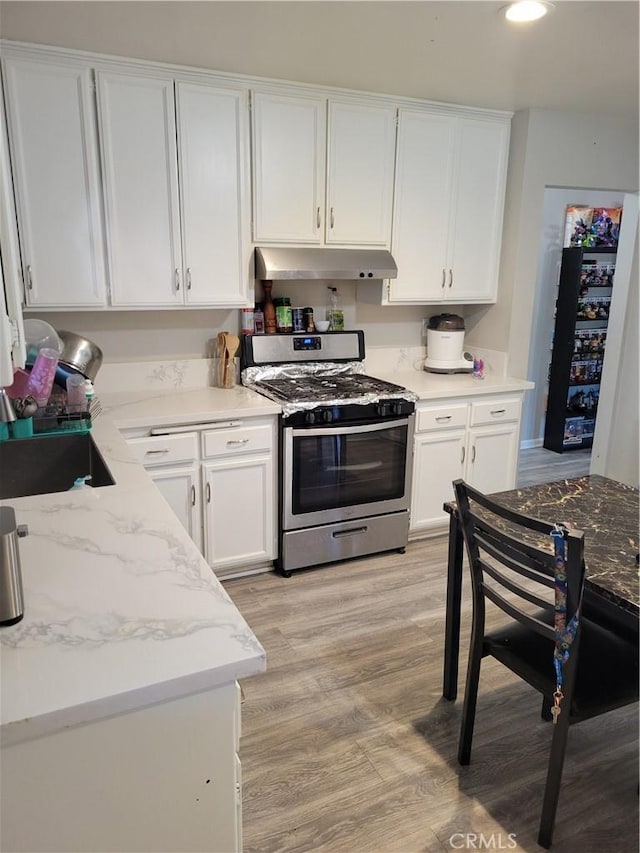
526,10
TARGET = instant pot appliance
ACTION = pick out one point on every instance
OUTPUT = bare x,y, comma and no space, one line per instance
445,345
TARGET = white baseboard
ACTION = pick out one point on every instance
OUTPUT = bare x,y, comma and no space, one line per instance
529,443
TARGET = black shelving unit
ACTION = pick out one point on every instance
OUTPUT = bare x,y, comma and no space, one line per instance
579,341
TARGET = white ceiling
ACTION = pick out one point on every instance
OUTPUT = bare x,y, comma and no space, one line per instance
583,57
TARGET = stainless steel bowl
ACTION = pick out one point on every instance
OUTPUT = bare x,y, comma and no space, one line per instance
80,354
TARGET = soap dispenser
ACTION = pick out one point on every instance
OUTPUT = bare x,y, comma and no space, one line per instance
11,594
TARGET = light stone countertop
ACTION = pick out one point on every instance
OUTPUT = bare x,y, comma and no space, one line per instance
121,610
436,386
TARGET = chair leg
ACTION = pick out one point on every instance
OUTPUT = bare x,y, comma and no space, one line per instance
470,700
554,778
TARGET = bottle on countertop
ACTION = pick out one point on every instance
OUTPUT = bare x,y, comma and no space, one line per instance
335,314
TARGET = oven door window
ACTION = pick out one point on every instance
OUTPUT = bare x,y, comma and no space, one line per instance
337,468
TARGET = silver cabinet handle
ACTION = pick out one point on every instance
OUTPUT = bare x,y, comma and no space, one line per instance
463,453
208,493
193,495
177,279
237,441
450,278
498,411
332,219
188,278
444,277
473,453
443,418
318,218
29,278
153,452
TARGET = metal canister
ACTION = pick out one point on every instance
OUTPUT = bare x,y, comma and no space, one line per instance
247,321
309,323
298,320
11,594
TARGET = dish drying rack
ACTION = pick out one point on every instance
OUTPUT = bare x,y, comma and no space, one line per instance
54,419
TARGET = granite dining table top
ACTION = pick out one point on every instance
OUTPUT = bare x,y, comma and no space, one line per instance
607,512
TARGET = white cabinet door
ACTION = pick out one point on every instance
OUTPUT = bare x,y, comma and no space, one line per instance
137,124
492,457
476,233
212,136
422,206
239,519
54,152
449,203
288,168
439,459
180,488
360,165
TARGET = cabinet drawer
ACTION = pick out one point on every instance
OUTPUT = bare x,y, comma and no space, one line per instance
165,449
495,411
242,439
441,417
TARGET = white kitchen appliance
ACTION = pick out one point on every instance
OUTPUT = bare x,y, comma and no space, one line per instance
445,345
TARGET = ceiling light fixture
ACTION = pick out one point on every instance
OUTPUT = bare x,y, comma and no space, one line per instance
526,10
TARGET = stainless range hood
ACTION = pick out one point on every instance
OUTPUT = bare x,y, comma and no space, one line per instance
275,263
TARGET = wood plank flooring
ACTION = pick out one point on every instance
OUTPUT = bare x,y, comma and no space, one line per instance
539,465
348,747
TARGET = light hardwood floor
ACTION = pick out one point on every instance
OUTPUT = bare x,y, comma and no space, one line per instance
348,747
542,466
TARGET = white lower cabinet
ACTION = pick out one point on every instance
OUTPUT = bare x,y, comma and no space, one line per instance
476,440
162,777
220,481
239,510
180,488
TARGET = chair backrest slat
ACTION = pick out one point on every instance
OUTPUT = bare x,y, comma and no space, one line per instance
513,564
525,554
503,580
507,559
524,618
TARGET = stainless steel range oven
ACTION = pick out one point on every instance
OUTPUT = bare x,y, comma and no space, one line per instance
346,445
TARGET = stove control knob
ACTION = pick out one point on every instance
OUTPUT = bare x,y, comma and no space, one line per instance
327,416
396,408
310,418
384,409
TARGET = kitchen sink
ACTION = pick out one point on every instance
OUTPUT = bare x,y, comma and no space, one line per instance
44,464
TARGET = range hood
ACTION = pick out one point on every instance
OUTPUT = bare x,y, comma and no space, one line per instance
275,263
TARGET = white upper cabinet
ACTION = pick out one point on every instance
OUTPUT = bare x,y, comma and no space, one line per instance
213,142
448,208
54,153
361,157
296,199
137,125
175,193
288,168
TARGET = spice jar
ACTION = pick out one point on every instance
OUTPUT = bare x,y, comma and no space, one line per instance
309,323
284,317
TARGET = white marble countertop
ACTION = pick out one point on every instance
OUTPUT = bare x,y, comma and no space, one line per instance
435,386
121,610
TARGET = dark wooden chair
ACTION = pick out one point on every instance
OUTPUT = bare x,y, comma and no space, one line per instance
511,567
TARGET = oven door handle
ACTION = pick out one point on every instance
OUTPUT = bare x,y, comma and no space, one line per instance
378,426
362,466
